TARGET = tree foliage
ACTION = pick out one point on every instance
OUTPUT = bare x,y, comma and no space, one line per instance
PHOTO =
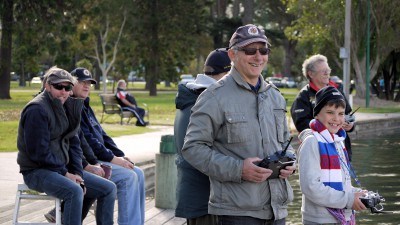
324,28
161,39
167,32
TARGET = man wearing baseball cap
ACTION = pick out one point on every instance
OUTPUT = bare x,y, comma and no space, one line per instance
128,178
236,123
49,153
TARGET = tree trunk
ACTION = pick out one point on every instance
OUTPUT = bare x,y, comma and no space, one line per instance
248,14
152,69
5,49
289,47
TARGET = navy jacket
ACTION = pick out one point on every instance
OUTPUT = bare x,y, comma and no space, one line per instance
102,145
193,187
47,135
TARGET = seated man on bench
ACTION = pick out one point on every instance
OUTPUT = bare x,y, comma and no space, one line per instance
128,102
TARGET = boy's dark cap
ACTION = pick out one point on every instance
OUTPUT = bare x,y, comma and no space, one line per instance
246,35
323,96
217,62
83,74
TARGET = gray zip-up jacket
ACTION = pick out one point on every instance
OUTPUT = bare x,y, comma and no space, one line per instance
230,123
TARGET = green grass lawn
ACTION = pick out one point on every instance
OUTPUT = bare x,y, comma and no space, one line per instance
161,107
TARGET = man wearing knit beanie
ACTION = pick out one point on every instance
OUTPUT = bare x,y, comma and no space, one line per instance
193,187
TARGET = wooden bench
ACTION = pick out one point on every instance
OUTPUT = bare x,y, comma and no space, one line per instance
111,107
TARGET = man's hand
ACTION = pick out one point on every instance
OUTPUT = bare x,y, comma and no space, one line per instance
347,126
95,169
287,171
75,178
253,173
120,161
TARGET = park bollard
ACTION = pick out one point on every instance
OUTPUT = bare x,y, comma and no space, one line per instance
166,174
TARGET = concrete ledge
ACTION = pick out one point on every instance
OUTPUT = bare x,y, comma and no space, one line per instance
376,127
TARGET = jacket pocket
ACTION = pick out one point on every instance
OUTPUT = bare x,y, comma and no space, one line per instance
242,196
236,125
280,120
281,192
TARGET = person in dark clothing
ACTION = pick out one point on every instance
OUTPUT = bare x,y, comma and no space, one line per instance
193,187
50,156
317,71
128,178
91,165
128,103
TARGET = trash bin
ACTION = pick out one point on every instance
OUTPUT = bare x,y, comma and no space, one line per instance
166,174
167,144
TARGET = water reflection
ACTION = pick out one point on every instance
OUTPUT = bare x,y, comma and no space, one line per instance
376,162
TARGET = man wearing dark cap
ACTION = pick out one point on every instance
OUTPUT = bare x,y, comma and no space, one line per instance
49,152
193,187
128,178
236,123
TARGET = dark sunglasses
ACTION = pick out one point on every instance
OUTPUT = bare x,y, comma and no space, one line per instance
60,87
252,51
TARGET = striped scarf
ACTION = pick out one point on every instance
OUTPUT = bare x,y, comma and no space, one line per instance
330,163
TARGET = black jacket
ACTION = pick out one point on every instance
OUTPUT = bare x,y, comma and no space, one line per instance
193,187
47,135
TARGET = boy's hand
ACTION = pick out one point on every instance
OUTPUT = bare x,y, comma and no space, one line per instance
357,204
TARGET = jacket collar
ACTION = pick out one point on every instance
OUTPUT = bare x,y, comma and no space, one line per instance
241,82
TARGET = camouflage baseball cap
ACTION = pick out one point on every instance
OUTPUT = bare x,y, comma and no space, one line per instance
56,75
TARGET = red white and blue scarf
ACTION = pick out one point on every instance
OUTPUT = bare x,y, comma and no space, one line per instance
330,163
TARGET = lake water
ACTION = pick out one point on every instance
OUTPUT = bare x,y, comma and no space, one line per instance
376,162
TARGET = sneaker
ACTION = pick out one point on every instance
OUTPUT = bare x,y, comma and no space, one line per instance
51,216
142,125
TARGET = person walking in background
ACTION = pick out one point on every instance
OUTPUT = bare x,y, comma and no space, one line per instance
50,156
324,167
317,72
236,123
128,103
128,178
193,187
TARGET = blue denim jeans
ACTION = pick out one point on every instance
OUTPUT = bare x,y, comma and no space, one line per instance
59,186
105,192
131,194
